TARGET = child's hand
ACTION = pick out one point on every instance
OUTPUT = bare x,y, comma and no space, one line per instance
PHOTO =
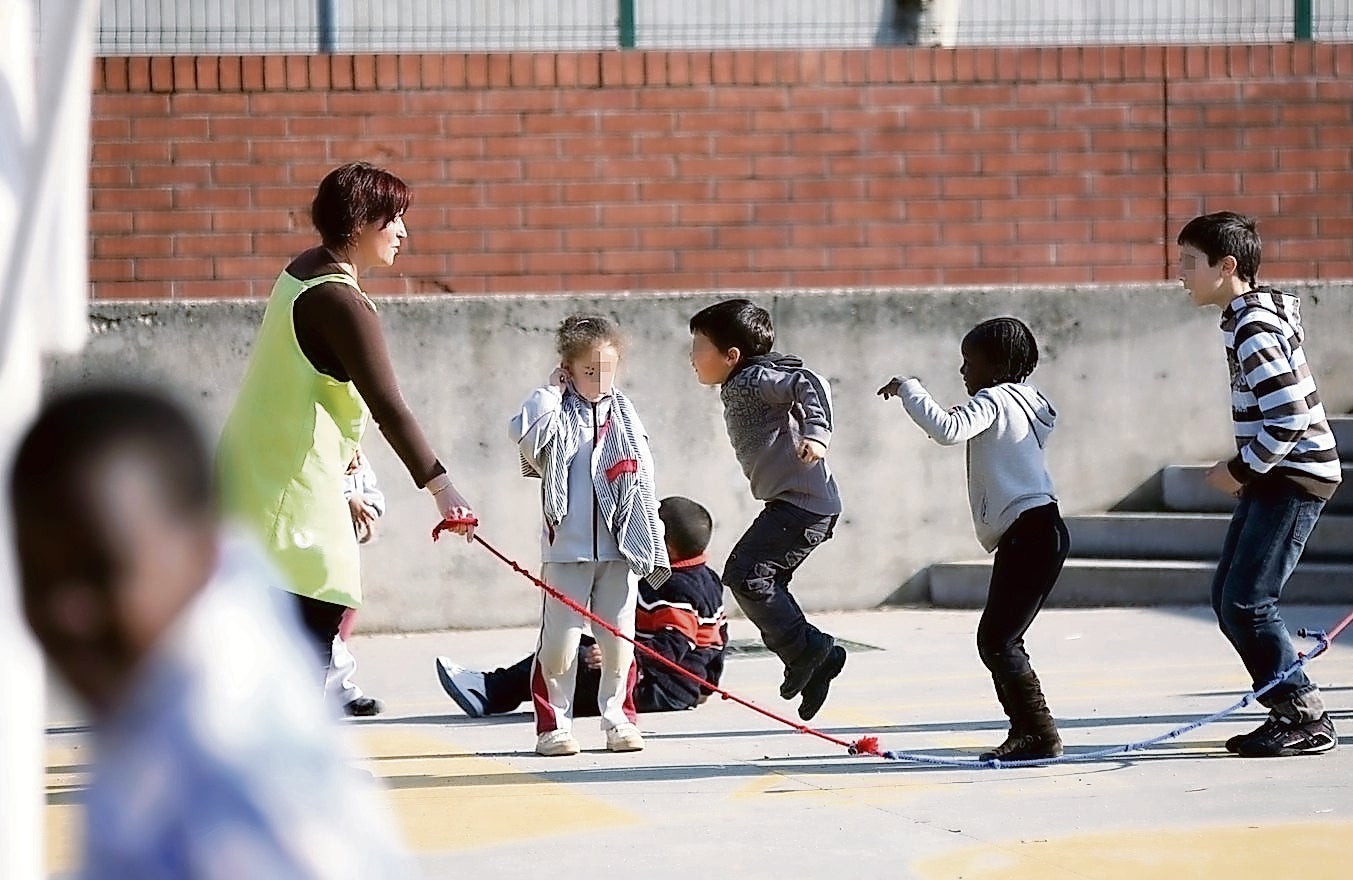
560,378
592,656
894,386
811,451
363,519
1219,478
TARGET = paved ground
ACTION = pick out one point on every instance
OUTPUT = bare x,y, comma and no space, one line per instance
721,791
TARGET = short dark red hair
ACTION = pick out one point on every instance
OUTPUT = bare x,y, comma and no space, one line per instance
353,195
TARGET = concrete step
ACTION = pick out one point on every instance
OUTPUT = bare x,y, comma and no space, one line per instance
1117,582
1343,435
1188,536
1184,490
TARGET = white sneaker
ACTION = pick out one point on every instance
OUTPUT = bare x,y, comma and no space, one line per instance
465,686
556,743
624,738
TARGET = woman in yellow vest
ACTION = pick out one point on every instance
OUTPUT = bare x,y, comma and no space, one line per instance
319,369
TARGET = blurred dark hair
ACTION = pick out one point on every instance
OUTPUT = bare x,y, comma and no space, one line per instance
74,430
353,195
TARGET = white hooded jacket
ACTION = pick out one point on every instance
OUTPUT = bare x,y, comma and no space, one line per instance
1006,427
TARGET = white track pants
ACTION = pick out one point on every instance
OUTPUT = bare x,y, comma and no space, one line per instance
611,590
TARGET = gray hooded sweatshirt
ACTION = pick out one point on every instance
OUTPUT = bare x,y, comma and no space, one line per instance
1006,428
771,403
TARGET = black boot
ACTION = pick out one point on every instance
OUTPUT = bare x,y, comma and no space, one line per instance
1033,733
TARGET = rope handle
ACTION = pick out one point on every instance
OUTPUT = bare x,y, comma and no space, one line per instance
446,525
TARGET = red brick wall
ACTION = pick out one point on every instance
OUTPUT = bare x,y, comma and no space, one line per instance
681,170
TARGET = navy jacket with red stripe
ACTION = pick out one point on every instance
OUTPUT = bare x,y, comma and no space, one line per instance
683,620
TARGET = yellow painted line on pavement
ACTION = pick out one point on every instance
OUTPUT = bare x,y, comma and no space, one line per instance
446,799
442,798
65,829
1235,853
67,773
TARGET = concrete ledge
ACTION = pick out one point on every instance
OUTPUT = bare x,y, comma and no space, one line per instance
1087,583
1187,536
1185,490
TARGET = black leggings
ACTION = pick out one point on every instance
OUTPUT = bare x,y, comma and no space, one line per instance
1028,560
321,621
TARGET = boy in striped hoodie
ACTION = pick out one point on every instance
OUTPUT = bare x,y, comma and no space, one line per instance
1284,471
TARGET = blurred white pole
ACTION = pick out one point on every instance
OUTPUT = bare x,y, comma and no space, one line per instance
939,25
44,174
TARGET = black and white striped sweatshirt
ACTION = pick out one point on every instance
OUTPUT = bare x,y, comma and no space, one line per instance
1280,427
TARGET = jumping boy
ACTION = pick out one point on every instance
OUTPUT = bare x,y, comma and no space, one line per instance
1285,469
779,419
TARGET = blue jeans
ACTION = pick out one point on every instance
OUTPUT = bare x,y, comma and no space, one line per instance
1268,532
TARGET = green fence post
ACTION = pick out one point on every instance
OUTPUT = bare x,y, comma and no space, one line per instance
627,24
1301,20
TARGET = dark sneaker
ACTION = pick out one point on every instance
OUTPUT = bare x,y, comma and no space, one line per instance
362,707
798,673
1270,724
1290,738
815,692
465,686
1026,747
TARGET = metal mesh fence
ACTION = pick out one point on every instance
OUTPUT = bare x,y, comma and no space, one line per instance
266,26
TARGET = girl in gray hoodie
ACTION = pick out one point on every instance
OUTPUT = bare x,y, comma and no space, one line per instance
1006,424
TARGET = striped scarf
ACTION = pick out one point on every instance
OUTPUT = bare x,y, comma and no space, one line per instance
624,488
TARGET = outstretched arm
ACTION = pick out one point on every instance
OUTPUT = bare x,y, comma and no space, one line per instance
946,427
347,327
349,333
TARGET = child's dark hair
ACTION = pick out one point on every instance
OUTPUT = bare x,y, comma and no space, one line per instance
78,429
1226,234
353,195
688,526
1008,344
736,323
579,333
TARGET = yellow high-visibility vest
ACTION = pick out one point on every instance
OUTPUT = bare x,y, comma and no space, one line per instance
283,453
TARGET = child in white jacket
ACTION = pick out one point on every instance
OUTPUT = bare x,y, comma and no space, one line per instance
1006,424
601,533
